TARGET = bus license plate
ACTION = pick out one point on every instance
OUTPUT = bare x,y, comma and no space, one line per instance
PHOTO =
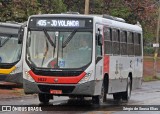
55,91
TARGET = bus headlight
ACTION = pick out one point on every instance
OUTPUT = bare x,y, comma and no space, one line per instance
86,77
29,77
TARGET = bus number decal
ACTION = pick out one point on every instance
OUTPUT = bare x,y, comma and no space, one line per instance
42,79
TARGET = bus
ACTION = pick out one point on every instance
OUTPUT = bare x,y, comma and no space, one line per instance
82,56
10,54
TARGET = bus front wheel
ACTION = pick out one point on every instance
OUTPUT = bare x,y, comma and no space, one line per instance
100,98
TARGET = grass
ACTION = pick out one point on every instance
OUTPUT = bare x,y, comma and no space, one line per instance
158,78
150,78
149,64
149,58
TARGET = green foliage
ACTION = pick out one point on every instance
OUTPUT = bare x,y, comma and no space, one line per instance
74,5
122,12
52,6
24,9
148,78
149,36
148,50
98,7
20,10
5,12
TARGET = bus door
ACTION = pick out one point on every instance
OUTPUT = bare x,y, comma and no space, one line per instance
99,58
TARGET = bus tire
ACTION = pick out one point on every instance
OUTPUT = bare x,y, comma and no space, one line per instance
127,94
43,98
100,98
117,96
72,97
95,99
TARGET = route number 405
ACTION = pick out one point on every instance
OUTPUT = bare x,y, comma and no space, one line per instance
42,23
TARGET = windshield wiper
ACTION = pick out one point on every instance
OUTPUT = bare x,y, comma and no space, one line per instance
49,39
69,38
45,53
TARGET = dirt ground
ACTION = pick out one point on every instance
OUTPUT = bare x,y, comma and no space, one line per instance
150,69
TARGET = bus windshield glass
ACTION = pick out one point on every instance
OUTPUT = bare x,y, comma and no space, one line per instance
59,49
10,50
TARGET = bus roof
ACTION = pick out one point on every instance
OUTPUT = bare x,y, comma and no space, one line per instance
10,24
9,28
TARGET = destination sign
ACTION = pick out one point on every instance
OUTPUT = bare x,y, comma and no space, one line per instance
60,23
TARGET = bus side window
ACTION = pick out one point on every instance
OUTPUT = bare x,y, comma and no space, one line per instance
98,47
107,40
123,44
99,50
115,41
140,46
137,44
130,44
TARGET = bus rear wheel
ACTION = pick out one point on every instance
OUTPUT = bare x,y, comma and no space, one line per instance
117,96
127,94
44,98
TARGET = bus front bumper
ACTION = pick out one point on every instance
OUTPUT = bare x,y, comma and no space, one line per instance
85,89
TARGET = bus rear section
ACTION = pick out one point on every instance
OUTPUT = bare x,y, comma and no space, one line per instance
64,56
10,54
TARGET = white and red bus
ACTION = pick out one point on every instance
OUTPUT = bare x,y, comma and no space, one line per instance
81,56
10,54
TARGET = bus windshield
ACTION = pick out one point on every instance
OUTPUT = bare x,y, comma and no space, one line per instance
59,49
10,50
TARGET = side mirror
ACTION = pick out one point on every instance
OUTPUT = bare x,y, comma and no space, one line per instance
99,39
20,35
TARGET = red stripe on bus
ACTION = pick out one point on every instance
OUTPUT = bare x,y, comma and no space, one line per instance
57,79
106,64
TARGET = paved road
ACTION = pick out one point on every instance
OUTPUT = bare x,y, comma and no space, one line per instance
149,94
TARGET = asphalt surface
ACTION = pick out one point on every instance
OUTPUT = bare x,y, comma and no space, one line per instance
148,96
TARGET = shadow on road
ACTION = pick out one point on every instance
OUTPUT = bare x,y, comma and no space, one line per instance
82,105
10,86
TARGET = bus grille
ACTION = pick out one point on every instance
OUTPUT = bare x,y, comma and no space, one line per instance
58,73
47,88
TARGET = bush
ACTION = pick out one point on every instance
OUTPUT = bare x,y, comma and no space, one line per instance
148,50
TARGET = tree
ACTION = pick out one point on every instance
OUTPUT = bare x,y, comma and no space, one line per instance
5,10
118,8
18,10
144,11
52,6
75,5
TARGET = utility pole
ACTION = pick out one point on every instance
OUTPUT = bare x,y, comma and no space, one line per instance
157,41
86,7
